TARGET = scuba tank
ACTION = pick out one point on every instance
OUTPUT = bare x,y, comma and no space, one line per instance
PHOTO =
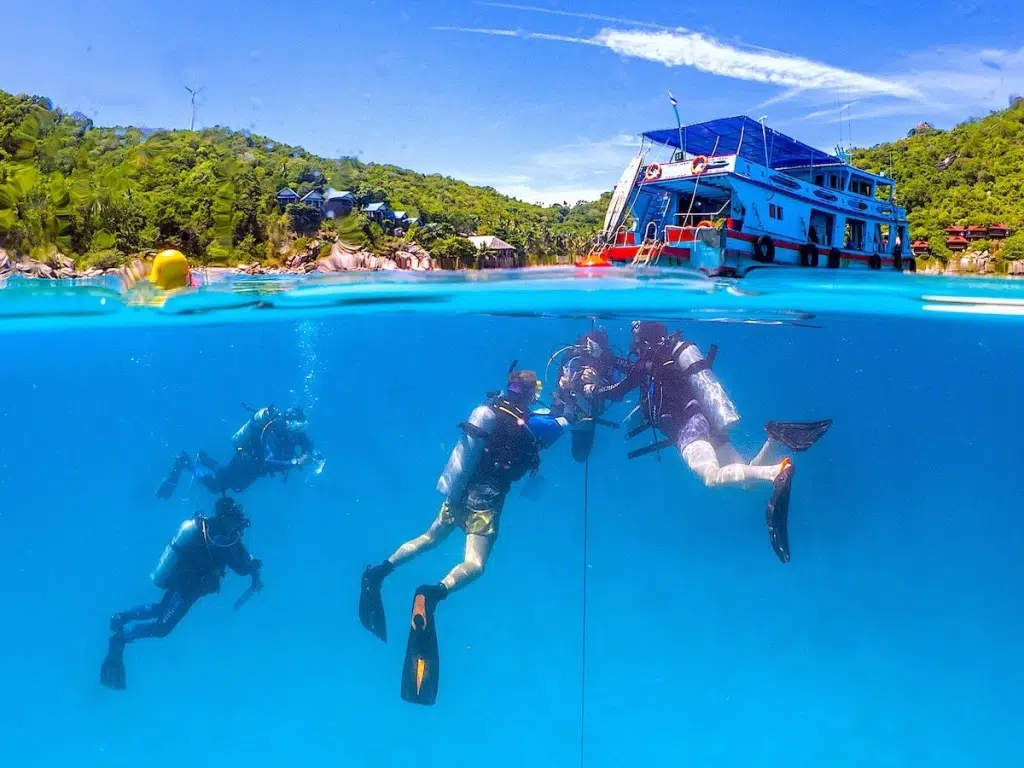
467,453
242,439
710,393
168,568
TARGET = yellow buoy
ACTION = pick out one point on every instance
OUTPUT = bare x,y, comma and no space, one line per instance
169,270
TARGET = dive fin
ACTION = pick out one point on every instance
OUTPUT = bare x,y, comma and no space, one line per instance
421,668
371,607
797,436
112,674
777,514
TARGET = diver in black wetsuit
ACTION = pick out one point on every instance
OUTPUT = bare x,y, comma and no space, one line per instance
683,400
586,367
191,567
271,442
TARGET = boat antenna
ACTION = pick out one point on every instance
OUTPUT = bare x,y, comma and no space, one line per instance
679,125
764,138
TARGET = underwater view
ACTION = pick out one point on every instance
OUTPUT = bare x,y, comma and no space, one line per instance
774,522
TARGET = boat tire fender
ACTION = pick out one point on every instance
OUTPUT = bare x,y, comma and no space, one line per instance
764,250
834,258
808,255
875,262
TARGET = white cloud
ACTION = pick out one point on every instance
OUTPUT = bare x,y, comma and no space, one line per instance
589,156
480,31
680,48
550,195
675,49
574,15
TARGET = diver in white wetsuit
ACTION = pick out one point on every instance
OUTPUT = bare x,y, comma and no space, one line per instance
683,400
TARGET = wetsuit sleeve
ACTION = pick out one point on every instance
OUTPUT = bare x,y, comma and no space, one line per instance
547,429
270,457
305,444
620,389
241,562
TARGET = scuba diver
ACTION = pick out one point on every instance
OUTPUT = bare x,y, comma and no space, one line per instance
500,444
587,366
191,566
265,445
683,399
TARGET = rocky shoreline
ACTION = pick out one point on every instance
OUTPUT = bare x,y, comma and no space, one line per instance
342,258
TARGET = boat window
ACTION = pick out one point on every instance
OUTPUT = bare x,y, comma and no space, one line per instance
883,191
775,211
833,181
860,187
820,180
854,235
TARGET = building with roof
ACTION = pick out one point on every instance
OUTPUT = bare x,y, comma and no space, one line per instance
286,197
338,203
313,198
920,248
497,253
378,212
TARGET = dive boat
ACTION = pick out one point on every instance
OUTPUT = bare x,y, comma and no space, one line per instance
734,195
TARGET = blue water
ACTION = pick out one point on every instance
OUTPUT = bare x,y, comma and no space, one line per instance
892,638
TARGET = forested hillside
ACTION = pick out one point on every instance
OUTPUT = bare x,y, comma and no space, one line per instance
102,194
970,175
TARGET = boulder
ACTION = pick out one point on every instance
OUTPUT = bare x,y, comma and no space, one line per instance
33,268
5,262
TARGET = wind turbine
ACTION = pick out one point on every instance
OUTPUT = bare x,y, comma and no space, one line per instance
195,92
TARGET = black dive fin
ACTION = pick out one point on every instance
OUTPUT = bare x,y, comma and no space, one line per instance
371,607
777,514
797,436
649,449
421,669
112,674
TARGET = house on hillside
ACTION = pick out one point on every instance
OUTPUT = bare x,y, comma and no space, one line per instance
378,212
337,204
499,254
286,197
977,233
956,231
998,232
957,243
920,248
313,198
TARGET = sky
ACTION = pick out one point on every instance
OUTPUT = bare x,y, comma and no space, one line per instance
544,101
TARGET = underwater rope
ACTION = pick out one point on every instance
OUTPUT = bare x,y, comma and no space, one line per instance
583,652
583,662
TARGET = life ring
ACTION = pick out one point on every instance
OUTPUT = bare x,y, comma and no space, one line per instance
764,250
653,172
834,258
808,255
698,165
875,262
706,223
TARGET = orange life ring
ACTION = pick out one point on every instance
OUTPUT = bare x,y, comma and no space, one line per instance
698,165
653,172
705,223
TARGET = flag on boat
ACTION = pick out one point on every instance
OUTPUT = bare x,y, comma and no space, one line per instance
672,99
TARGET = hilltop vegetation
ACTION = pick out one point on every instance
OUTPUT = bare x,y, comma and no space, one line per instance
970,175
102,194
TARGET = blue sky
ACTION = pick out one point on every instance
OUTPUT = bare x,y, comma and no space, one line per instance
543,101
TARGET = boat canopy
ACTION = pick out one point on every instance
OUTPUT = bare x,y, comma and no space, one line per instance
743,136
